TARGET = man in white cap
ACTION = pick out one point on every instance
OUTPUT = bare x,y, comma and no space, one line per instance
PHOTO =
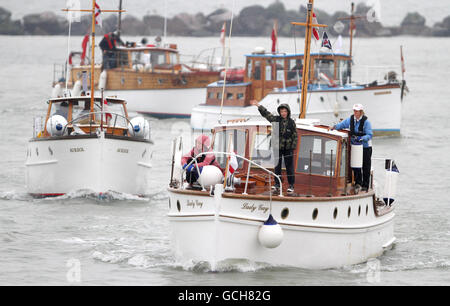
360,132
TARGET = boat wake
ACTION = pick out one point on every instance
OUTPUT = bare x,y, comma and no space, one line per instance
229,265
110,196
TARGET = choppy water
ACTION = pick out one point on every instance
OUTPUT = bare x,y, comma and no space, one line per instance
124,240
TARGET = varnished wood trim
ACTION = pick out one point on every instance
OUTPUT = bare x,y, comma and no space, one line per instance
297,199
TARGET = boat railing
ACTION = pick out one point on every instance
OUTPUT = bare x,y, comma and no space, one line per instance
365,74
103,113
194,160
207,59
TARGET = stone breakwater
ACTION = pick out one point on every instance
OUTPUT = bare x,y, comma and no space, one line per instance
254,20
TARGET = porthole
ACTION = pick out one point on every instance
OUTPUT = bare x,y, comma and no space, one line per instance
315,213
349,211
345,98
367,210
322,99
359,210
178,205
335,213
285,213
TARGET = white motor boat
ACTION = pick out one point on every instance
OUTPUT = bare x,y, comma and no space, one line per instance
99,151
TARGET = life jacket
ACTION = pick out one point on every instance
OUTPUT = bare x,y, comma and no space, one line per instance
360,131
111,44
201,158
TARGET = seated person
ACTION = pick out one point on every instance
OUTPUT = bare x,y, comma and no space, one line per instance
202,144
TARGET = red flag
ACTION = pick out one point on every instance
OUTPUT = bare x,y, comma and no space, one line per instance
98,18
222,34
274,38
315,32
84,46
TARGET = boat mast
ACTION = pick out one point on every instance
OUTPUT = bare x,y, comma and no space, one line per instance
119,22
306,56
92,11
352,19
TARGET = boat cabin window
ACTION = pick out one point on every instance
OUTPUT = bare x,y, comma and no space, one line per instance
228,141
257,71
344,71
269,67
279,66
295,66
60,108
249,68
123,59
321,149
83,107
262,149
140,58
325,66
158,58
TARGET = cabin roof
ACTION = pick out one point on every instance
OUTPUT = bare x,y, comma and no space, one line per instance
143,48
229,84
289,55
312,125
110,99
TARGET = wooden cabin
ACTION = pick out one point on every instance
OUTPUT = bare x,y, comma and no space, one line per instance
266,72
145,67
326,173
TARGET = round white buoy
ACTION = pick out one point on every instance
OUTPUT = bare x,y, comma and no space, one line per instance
210,176
55,125
270,234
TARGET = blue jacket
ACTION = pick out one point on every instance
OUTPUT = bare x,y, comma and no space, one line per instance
345,124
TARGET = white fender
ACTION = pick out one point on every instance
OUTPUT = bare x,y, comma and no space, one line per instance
55,125
210,176
57,91
102,80
76,91
356,152
270,234
140,128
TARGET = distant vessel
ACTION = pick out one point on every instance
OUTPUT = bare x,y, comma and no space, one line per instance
147,75
325,223
275,78
88,142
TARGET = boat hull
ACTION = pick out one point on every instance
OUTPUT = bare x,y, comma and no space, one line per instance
59,166
215,229
382,105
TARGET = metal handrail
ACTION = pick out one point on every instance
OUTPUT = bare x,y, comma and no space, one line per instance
101,112
237,156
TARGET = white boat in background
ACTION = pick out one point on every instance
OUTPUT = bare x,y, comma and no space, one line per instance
325,223
334,86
